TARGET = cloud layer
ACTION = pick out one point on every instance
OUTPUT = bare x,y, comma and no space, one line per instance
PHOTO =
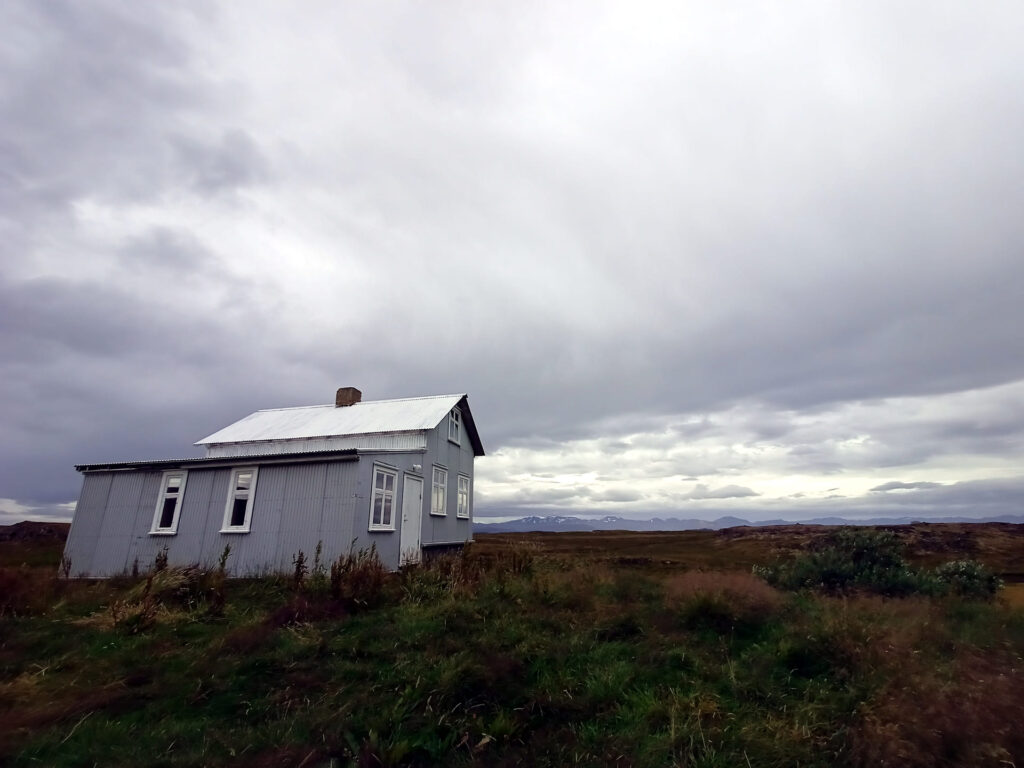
676,256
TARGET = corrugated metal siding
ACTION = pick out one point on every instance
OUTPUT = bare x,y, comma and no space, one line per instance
86,523
124,507
340,509
256,552
300,523
457,459
385,542
294,507
391,442
407,415
141,545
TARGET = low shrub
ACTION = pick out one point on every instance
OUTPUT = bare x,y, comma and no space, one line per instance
872,561
852,559
968,578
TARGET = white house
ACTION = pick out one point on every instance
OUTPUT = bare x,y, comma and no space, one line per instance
393,474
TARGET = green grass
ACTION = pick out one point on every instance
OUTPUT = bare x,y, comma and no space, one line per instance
514,658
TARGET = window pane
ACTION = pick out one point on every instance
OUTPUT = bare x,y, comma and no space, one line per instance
238,512
244,481
173,483
378,480
167,513
389,482
378,505
387,510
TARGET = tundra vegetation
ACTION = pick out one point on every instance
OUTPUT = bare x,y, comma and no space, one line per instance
562,650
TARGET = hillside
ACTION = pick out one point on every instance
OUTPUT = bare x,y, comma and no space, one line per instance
592,649
28,530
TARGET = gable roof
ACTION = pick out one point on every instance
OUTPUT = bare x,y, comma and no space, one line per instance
412,414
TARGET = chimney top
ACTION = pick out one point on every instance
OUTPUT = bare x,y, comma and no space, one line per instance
347,396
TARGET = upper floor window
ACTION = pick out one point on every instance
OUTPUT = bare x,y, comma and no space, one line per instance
382,503
238,510
455,426
168,505
439,492
462,510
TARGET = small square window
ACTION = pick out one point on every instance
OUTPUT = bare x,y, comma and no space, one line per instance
382,503
439,492
238,509
455,426
463,506
168,505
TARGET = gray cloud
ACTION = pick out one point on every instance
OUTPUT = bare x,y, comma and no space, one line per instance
701,491
896,485
206,213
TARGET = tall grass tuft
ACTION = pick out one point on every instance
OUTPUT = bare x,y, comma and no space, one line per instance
359,580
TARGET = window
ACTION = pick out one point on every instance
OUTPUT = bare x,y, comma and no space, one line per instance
463,507
454,425
382,504
439,494
238,510
172,488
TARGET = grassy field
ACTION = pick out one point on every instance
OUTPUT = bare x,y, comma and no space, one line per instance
612,648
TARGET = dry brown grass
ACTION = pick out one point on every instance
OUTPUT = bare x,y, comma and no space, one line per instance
972,718
741,589
1000,546
26,591
1013,594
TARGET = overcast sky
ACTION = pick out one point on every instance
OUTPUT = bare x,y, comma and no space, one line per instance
755,259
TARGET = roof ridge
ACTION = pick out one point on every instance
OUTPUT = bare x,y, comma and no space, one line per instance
362,402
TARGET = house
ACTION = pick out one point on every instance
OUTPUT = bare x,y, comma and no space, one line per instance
396,475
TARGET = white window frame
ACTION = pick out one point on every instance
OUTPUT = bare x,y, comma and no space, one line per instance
233,493
455,426
462,509
439,492
391,472
155,529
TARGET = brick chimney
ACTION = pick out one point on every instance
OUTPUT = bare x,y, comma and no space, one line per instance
347,396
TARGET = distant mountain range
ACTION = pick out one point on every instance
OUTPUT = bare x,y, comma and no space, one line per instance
556,523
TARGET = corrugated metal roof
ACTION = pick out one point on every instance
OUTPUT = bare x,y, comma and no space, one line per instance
227,461
370,417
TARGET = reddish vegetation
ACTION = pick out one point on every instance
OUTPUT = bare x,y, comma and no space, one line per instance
972,717
999,545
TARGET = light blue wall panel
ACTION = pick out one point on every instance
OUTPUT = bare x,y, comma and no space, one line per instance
117,530
303,507
255,552
339,509
457,459
294,507
87,522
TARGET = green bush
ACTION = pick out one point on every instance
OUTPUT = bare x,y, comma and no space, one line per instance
872,561
862,559
852,558
968,578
